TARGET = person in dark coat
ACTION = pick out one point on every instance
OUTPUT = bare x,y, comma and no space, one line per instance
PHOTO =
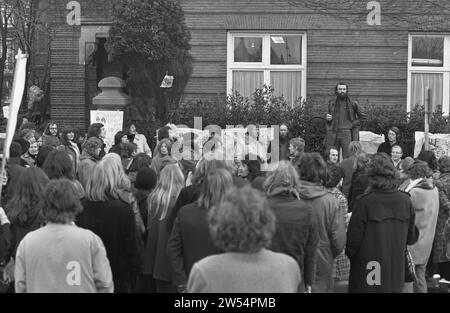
190,240
161,200
51,135
284,141
296,231
98,130
191,193
329,217
297,149
349,166
440,241
360,179
381,226
120,139
113,220
392,138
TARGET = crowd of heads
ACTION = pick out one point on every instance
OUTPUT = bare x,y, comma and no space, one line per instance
50,181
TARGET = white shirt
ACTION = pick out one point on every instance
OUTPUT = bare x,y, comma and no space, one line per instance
142,146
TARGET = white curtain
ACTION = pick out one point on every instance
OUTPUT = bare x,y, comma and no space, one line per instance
246,82
287,84
419,84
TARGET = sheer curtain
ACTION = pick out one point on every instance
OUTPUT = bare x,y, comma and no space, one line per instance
419,83
287,84
246,82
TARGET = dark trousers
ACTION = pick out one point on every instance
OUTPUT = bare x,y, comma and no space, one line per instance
444,270
343,139
165,286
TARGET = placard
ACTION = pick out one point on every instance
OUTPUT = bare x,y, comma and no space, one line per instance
113,121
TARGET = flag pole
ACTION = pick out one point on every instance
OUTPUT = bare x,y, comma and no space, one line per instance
16,99
427,120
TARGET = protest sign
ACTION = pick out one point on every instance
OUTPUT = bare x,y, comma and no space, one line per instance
370,141
439,143
113,122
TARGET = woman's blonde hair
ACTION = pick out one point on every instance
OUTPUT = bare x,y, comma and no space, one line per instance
285,176
107,179
214,187
171,181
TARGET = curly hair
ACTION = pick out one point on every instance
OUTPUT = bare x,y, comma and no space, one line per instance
381,172
362,161
313,168
242,222
24,205
419,169
60,202
430,158
444,164
335,174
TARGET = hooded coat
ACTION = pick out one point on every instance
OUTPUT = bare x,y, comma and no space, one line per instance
331,227
425,201
296,231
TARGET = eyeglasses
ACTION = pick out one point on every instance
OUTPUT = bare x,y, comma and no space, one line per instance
53,127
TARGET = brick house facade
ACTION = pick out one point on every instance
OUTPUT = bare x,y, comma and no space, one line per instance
389,64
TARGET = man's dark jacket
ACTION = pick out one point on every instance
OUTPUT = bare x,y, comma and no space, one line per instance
355,114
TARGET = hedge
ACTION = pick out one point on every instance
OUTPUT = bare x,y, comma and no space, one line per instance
265,109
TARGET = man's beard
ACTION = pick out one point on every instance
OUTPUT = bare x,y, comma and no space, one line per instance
342,96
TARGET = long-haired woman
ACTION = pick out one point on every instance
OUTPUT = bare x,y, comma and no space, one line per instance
160,201
190,239
23,209
113,220
58,164
381,226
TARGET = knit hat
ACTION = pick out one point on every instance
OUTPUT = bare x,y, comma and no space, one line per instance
145,179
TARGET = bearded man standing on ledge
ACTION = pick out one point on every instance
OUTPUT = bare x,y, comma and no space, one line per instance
343,120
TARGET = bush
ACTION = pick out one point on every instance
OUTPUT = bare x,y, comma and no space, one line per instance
304,118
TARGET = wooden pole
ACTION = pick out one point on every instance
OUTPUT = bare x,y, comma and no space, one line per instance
427,113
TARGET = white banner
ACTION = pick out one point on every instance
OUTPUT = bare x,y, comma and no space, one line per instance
16,99
113,121
439,143
370,141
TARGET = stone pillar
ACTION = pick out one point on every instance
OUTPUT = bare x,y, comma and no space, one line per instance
112,97
110,104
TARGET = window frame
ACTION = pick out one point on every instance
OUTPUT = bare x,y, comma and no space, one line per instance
265,65
444,70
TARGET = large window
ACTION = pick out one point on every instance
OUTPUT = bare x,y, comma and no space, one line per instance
429,71
273,59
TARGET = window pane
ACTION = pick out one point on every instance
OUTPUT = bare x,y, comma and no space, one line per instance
287,84
428,51
246,82
247,49
285,50
419,84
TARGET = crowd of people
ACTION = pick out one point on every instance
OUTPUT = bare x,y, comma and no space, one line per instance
77,218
